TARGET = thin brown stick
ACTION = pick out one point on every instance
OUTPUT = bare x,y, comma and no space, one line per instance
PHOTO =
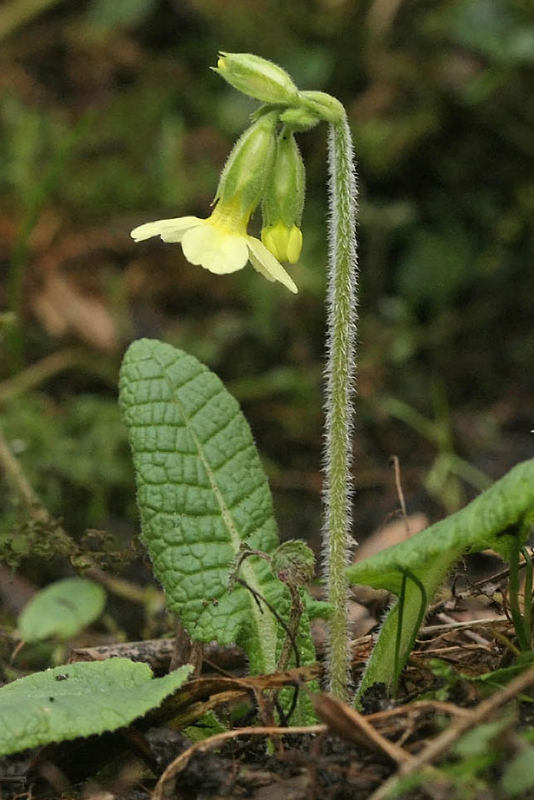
37,511
400,494
347,723
475,637
39,372
16,477
438,746
180,763
420,705
460,625
125,589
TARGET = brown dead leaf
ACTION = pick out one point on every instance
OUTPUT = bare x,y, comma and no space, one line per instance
62,309
392,533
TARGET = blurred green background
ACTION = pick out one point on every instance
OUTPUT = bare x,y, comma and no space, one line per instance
110,117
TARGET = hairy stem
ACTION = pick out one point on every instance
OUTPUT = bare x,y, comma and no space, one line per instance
340,374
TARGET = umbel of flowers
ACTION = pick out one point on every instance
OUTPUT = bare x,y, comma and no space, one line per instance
264,168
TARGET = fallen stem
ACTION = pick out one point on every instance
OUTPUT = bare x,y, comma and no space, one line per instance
180,763
438,746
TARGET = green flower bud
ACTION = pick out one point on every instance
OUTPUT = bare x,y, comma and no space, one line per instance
293,563
285,243
283,201
257,77
323,105
245,173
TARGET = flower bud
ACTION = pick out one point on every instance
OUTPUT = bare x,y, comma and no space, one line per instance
293,563
257,77
283,201
245,173
285,243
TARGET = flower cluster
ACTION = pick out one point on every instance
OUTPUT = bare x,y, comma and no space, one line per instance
265,167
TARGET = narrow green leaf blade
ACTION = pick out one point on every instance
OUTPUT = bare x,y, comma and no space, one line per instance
79,700
202,492
62,610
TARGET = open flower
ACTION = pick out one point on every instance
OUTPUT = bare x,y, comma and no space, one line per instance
220,243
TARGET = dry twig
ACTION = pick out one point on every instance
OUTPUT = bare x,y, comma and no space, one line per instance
438,746
180,763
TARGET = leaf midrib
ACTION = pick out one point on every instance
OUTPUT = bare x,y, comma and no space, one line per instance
264,622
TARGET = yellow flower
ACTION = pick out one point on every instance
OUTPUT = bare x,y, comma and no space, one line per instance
220,243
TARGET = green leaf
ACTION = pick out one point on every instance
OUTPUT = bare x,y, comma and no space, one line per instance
208,725
480,740
518,776
488,521
202,492
79,700
61,610
498,518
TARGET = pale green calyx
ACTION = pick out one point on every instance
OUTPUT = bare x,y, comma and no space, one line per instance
257,77
284,194
245,173
299,118
293,563
283,201
221,243
323,105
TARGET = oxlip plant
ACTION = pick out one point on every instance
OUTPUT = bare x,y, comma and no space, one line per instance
265,170
190,441
206,509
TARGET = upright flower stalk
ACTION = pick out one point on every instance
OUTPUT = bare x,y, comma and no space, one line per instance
265,169
340,377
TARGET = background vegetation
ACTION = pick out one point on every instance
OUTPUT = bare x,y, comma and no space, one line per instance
111,117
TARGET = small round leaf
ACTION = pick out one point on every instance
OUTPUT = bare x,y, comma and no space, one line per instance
61,610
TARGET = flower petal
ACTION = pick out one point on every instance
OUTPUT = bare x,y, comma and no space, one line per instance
215,249
265,263
170,230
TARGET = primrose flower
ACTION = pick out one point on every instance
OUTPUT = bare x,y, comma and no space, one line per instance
219,243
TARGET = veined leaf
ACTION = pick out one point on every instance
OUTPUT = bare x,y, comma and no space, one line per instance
79,700
202,492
